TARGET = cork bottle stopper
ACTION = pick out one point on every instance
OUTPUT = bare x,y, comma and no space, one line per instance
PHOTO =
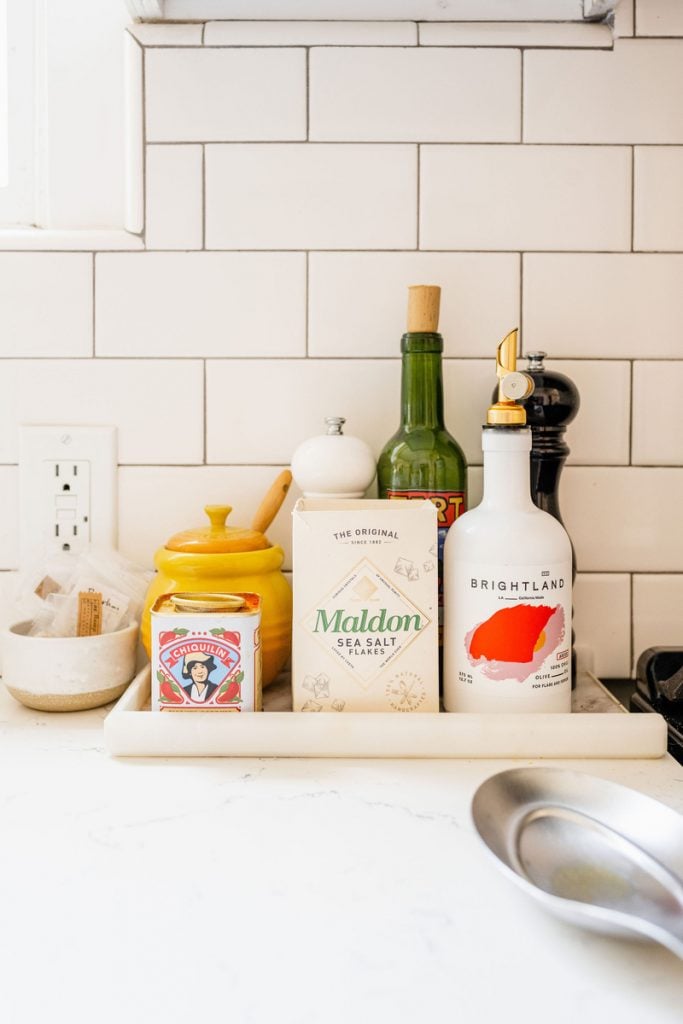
423,308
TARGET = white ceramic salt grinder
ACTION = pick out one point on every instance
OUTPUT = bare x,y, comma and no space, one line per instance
334,464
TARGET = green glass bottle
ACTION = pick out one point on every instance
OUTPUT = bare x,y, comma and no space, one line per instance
422,460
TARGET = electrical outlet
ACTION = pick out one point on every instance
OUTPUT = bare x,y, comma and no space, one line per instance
67,485
69,482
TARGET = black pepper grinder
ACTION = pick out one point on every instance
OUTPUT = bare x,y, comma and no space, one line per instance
552,406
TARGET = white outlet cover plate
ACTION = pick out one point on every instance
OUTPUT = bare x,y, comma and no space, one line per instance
65,443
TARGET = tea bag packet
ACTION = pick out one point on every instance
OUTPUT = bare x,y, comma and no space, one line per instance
115,606
57,593
42,623
114,574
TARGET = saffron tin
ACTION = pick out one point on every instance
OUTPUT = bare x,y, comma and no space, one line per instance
206,652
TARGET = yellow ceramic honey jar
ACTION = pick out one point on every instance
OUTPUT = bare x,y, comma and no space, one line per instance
226,559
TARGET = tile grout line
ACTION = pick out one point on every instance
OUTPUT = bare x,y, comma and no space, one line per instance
633,197
338,357
447,45
204,454
94,336
521,303
306,313
144,148
308,93
632,631
203,196
521,97
419,186
274,463
631,364
382,251
453,143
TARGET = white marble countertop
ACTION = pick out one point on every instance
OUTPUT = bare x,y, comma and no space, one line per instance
284,892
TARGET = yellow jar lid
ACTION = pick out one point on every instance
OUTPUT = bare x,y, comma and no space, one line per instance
217,538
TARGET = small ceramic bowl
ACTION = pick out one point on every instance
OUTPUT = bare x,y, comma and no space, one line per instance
67,673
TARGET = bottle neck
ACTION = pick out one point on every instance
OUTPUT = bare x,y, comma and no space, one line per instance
507,479
422,381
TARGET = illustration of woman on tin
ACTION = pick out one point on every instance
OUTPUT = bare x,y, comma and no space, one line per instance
196,669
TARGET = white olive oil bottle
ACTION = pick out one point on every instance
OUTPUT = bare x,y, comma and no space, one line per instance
507,576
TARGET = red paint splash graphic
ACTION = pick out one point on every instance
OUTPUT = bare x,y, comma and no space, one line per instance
514,642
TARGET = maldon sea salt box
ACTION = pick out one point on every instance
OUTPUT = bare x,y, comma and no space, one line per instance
365,606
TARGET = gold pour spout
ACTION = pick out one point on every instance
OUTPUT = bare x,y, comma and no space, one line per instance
513,386
506,356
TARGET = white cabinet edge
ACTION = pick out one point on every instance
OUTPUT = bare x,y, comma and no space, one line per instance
48,240
134,129
383,10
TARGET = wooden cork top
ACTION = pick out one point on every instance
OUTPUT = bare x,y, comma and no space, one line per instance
423,308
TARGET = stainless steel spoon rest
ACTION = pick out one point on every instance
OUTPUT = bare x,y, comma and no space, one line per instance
593,852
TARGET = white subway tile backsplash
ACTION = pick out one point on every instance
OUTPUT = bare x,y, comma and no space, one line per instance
468,387
602,620
174,185
310,33
377,101
657,612
357,301
311,197
155,503
46,304
133,395
404,95
525,197
201,304
510,33
658,198
203,94
274,406
657,424
629,95
475,485
599,434
609,306
624,519
659,17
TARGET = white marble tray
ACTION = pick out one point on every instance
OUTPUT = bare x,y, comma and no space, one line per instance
598,728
